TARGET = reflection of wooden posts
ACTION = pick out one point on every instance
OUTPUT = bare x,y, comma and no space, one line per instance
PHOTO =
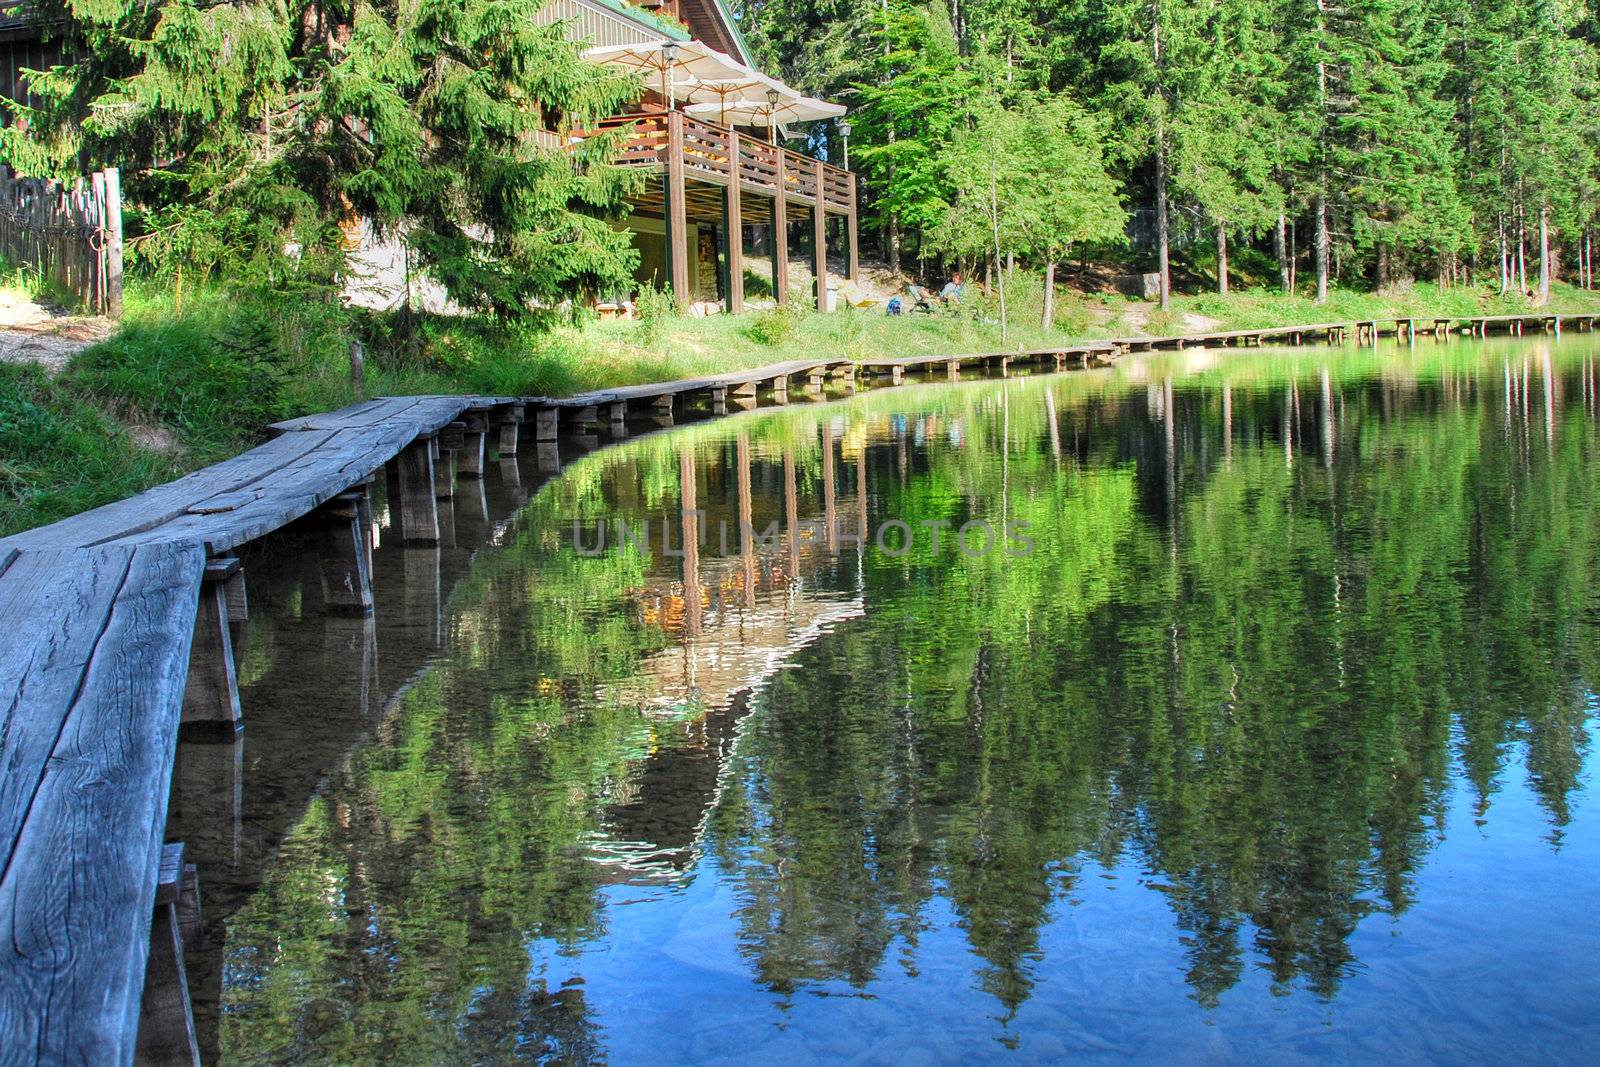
422,600
342,557
861,493
546,424
208,789
819,241
780,233
830,516
733,225
419,508
677,212
747,533
166,1019
211,698
691,541
791,514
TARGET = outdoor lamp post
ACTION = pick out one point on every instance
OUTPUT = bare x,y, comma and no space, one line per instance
772,112
669,57
844,135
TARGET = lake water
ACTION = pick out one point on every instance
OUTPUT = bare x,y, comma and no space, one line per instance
1252,718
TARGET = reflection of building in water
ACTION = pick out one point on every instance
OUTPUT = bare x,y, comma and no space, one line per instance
738,619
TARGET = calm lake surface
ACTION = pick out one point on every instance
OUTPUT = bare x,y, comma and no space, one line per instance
1263,731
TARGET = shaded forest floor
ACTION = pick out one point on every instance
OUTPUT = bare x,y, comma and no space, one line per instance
173,389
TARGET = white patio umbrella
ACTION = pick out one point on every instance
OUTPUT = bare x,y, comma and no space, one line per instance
781,105
681,65
750,85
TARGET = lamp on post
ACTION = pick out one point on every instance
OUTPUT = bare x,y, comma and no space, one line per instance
669,62
772,112
844,135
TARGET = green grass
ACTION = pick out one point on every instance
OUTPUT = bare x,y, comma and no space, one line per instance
210,376
60,453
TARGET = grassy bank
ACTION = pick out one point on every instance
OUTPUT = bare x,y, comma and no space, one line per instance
175,389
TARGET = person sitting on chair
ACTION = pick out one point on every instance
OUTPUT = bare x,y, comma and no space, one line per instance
951,293
921,299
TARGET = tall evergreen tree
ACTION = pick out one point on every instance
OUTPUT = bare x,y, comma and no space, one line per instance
251,127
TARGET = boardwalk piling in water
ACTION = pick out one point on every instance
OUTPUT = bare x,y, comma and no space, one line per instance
419,509
211,698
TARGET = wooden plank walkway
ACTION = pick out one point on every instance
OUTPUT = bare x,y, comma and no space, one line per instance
114,624
94,648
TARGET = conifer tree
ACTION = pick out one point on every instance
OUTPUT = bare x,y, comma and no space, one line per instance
248,128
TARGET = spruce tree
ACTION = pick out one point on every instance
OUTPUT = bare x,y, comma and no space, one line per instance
252,128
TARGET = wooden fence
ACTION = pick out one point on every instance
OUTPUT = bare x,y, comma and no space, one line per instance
70,232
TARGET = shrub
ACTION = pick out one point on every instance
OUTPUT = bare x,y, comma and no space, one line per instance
774,326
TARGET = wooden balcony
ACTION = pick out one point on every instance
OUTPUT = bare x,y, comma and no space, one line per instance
712,175
707,153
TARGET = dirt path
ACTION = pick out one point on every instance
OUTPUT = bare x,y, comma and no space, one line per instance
31,332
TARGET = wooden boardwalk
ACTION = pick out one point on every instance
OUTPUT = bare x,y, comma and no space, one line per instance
115,633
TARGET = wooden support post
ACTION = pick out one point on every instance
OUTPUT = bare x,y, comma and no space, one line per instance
719,400
419,508
113,238
509,420
663,406
677,211
780,390
733,225
451,440
546,424
342,558
952,369
852,249
211,698
819,241
475,442
897,374
619,416
780,234
166,1018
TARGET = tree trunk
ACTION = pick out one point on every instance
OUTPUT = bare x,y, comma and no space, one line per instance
1322,248
1294,259
994,215
1505,259
1383,267
1049,294
1162,267
1280,252
1544,252
1222,259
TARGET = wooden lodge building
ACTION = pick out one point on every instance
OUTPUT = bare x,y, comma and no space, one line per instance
722,190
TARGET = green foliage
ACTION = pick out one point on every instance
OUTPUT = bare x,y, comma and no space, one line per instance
655,308
61,453
248,133
773,326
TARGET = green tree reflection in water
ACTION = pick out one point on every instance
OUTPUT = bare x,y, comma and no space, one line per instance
1279,607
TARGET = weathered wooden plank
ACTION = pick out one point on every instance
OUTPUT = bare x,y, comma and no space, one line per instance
166,502
291,492
95,681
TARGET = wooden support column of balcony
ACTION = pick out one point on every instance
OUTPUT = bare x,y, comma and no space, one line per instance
819,238
733,227
854,269
677,211
780,235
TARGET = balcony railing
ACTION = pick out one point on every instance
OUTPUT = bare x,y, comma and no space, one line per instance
708,154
